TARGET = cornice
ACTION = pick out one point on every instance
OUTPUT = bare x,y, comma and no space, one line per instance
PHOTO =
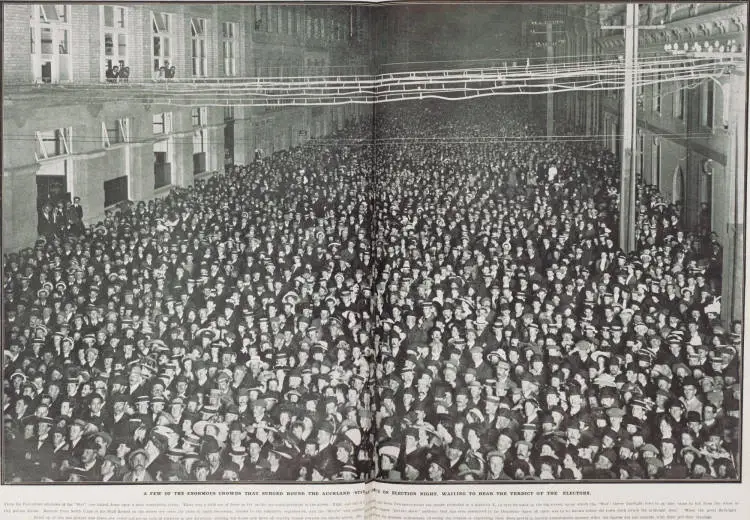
724,24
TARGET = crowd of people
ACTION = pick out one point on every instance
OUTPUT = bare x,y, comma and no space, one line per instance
515,339
221,333
60,217
435,307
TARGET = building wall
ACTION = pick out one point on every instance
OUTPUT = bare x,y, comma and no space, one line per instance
29,109
16,44
686,142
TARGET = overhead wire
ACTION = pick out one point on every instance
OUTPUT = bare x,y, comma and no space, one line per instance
307,98
318,90
542,70
540,77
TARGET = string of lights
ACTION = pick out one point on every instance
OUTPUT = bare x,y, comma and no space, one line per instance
529,78
399,139
458,90
461,84
528,71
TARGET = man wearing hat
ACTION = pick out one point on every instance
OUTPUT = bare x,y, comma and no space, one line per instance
90,461
388,452
673,468
438,467
689,398
604,464
326,451
137,462
111,465
251,469
95,413
415,467
496,466
279,464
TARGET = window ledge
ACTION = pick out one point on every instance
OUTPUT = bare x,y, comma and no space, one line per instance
204,175
164,189
114,206
52,158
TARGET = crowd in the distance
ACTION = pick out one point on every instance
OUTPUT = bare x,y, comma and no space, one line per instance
416,310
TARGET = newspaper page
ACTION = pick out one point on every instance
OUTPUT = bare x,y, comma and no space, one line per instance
427,310
202,351
526,354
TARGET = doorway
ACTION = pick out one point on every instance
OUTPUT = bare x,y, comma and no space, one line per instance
229,145
678,185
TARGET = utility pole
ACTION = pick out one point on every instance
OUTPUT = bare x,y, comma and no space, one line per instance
549,42
629,125
550,98
627,177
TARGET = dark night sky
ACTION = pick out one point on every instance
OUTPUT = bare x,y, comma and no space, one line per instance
463,31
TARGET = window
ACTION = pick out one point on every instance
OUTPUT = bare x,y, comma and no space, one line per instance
114,17
273,12
115,40
52,143
49,35
47,40
640,151
162,164
198,32
228,113
640,98
115,132
115,191
355,22
199,116
657,94
228,30
707,118
161,24
259,17
54,13
162,123
656,168
229,46
679,101
199,151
